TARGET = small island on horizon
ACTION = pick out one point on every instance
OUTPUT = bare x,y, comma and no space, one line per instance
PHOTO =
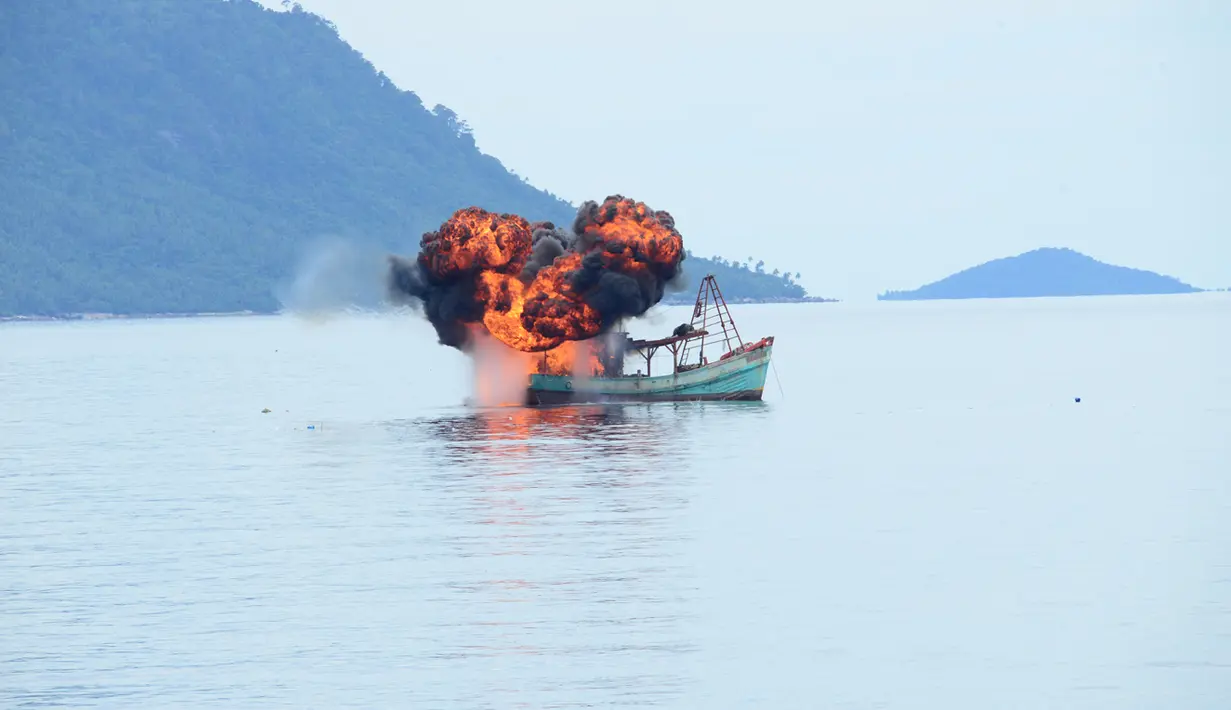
1045,272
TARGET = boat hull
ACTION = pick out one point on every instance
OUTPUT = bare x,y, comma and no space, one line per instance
739,377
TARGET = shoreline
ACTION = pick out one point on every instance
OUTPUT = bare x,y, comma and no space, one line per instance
127,316
752,301
65,317
230,314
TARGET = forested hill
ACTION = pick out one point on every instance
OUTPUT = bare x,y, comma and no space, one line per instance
177,156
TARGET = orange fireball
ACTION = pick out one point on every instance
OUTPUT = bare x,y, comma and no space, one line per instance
475,240
473,267
633,237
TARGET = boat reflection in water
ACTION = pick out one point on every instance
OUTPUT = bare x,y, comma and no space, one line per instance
499,437
564,544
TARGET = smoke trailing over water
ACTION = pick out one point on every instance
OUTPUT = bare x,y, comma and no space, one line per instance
333,275
536,286
499,376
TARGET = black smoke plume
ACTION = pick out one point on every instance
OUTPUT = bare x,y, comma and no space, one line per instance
448,306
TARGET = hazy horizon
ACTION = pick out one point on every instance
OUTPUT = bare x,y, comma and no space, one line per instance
821,137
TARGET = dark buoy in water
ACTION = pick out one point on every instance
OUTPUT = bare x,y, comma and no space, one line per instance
1077,400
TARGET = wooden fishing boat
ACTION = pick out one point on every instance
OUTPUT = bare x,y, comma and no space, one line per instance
737,373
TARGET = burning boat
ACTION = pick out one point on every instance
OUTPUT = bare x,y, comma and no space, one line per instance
737,373
557,296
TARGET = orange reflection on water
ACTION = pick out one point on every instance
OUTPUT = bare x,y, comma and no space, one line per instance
533,486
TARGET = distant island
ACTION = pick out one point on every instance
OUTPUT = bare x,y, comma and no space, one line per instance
1042,273
180,157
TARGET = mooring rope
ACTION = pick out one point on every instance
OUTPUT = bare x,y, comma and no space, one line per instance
775,371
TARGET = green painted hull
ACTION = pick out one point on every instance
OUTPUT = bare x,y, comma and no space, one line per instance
740,377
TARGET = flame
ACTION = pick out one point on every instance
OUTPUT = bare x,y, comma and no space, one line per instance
476,240
635,238
554,309
578,358
540,316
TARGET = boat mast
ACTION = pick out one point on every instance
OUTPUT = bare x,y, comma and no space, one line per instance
711,310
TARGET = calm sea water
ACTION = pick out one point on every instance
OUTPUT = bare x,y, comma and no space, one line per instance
921,517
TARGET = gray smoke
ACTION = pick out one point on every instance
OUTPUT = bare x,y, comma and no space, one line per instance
548,242
335,275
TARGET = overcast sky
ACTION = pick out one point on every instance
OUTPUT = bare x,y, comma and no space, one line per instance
869,145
